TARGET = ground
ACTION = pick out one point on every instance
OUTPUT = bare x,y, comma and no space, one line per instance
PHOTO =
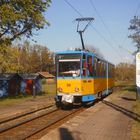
115,117
112,118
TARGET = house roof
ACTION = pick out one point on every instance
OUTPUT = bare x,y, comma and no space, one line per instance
7,76
46,75
29,75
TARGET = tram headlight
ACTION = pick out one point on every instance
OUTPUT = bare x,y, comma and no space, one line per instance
60,89
76,89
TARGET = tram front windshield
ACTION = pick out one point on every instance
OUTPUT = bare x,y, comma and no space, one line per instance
69,65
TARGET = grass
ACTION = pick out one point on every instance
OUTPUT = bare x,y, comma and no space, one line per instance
48,89
125,87
124,83
14,100
136,124
130,87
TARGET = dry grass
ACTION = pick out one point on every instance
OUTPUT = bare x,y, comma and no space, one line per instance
136,124
130,87
18,99
49,88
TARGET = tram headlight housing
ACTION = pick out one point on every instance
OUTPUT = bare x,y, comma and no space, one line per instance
60,89
76,89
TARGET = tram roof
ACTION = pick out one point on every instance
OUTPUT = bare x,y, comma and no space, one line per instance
82,52
71,52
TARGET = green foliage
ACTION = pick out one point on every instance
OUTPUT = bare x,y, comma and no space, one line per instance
125,72
20,17
9,59
26,58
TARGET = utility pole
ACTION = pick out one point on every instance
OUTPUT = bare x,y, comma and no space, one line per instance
88,20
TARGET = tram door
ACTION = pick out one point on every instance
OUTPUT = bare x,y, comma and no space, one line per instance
87,66
87,74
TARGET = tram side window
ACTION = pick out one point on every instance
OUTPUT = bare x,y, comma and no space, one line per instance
99,68
104,69
90,68
110,69
84,65
95,66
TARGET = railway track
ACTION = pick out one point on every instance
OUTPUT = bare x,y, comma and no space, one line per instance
35,124
32,126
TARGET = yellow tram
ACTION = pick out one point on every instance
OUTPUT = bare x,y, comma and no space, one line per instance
82,77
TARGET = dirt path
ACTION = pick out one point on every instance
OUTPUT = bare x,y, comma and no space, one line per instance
110,119
7,112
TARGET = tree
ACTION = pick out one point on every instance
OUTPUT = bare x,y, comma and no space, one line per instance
135,28
125,72
26,58
9,59
46,60
94,50
21,17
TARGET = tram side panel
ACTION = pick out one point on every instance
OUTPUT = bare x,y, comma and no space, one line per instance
87,90
110,77
99,84
87,86
100,76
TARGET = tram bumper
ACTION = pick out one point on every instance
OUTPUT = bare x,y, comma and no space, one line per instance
68,98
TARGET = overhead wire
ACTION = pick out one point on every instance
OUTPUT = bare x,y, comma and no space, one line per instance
105,25
126,37
73,8
92,26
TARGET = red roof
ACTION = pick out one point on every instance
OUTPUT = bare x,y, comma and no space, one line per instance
46,74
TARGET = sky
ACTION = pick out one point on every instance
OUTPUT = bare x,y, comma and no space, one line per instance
108,32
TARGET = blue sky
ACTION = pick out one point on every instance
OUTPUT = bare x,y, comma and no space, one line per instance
116,15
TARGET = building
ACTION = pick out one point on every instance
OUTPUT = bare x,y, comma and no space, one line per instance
9,84
30,82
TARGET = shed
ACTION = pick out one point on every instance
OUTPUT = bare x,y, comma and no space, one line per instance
28,81
47,76
9,84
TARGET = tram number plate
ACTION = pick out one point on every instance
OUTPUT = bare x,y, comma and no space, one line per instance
67,98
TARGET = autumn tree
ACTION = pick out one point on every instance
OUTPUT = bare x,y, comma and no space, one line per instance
125,72
94,50
26,58
21,17
35,58
135,29
9,59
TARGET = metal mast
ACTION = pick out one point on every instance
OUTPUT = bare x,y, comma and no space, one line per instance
88,20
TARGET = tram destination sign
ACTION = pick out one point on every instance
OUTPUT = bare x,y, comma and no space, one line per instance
138,69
